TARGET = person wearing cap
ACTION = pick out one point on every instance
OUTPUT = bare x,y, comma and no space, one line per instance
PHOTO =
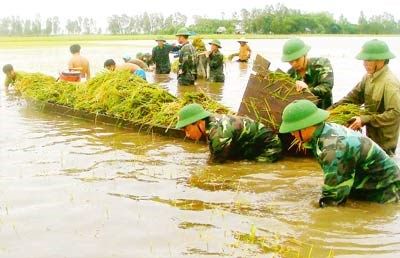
354,166
244,51
313,74
11,76
110,64
202,61
145,57
140,63
160,55
216,62
229,137
187,73
378,91
78,62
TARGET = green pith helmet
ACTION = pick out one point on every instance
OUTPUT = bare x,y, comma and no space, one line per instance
183,32
216,42
160,38
190,114
139,55
301,114
375,50
293,49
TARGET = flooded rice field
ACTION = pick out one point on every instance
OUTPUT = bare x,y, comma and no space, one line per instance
75,188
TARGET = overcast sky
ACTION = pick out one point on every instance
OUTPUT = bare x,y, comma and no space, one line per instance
212,8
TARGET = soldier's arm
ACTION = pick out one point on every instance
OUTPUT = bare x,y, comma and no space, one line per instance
325,73
220,143
338,163
172,48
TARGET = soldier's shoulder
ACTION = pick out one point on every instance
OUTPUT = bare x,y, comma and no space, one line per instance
320,61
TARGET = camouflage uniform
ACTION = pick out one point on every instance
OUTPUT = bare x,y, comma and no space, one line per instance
216,67
380,94
319,78
354,166
160,57
233,137
187,65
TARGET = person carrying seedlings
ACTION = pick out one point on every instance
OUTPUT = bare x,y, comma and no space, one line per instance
216,62
244,51
160,55
129,59
11,76
78,62
378,90
201,50
313,74
187,73
109,64
229,137
354,166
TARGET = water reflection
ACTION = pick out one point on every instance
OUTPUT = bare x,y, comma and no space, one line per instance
64,180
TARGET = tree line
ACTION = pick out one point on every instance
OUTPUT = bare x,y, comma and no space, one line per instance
268,20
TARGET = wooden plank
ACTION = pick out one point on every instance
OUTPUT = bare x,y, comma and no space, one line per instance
264,100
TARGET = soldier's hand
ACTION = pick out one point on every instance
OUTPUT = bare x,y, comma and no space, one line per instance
356,123
300,86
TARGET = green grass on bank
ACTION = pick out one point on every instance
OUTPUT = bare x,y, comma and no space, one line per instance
6,42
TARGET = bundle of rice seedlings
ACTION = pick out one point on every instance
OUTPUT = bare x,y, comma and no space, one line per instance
117,94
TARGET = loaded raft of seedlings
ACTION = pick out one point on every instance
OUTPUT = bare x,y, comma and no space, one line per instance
118,94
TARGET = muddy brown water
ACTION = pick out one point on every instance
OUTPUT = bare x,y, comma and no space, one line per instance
74,188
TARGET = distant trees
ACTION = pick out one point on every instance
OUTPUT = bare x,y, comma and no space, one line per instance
276,19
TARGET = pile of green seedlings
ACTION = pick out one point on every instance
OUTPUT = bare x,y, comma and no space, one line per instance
119,94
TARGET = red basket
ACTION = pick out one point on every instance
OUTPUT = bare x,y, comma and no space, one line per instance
70,76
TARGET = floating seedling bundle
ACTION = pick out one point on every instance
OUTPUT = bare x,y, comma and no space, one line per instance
118,94
342,114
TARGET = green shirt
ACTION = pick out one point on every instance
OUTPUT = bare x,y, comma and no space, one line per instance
216,62
319,78
160,57
354,166
380,94
233,137
187,65
9,81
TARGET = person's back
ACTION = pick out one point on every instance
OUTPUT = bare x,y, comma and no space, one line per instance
140,63
229,137
233,137
188,62
128,66
354,166
133,68
78,62
187,74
